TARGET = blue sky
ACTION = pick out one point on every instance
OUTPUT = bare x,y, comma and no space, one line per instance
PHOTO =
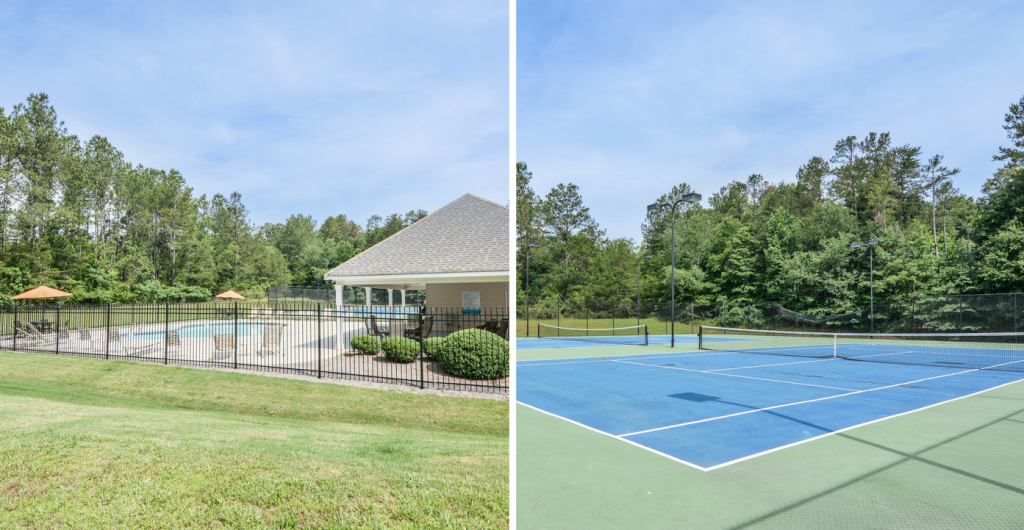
316,108
626,99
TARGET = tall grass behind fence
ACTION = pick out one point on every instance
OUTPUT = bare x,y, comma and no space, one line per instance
968,313
311,339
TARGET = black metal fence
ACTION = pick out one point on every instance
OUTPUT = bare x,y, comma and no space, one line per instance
308,339
967,313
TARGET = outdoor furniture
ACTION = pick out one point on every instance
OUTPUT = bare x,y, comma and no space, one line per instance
421,332
35,334
377,331
84,335
173,341
223,346
271,340
23,332
42,326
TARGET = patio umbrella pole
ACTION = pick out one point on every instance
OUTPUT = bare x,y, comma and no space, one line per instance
236,335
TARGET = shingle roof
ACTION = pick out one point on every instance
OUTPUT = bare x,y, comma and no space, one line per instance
470,234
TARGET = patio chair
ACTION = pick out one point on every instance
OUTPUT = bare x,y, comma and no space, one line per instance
372,328
223,346
85,336
271,341
421,332
173,341
503,329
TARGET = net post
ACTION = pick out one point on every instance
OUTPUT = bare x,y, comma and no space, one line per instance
700,338
647,340
835,346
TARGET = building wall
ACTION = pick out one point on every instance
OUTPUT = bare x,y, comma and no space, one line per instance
493,295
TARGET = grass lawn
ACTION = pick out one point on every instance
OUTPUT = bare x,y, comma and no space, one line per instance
88,443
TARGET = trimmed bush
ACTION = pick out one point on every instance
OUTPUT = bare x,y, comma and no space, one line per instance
432,346
400,349
475,354
366,344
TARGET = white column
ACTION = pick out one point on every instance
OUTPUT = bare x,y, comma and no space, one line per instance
367,291
339,304
391,301
403,300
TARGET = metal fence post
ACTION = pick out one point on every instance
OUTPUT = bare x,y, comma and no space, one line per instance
167,329
1014,312
57,346
16,328
423,347
319,339
235,336
107,343
691,317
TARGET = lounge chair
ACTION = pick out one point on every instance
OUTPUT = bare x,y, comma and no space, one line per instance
223,346
23,334
35,334
85,336
271,341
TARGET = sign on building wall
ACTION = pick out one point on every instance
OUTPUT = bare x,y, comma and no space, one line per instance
470,302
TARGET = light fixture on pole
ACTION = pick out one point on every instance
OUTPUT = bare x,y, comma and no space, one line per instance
645,256
871,248
528,285
690,198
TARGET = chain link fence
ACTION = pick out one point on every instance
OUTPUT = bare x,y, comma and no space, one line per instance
967,313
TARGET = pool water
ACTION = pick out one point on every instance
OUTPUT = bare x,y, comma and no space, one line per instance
245,329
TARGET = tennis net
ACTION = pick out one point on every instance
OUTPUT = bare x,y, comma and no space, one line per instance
630,335
988,351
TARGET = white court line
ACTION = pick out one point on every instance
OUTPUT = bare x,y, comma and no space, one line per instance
844,429
619,438
733,375
766,365
799,402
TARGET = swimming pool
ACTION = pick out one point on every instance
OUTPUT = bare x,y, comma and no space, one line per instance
245,329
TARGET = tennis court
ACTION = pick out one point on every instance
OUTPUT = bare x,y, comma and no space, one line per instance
752,393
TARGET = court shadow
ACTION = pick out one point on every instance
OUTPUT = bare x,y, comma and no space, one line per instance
906,457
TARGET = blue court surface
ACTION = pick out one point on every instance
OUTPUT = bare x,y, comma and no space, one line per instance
712,409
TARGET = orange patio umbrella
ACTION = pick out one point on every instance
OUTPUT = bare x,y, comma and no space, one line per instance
41,292
230,295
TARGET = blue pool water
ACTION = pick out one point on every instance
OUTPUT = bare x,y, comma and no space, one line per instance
245,329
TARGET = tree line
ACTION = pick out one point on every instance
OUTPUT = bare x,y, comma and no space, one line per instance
75,215
790,242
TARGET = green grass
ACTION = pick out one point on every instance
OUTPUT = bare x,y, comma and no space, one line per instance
954,466
88,443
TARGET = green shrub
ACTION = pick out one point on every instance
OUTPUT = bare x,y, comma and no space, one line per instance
475,354
367,344
400,349
432,346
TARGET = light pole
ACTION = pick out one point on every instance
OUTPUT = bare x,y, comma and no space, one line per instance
871,248
645,256
528,285
690,198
